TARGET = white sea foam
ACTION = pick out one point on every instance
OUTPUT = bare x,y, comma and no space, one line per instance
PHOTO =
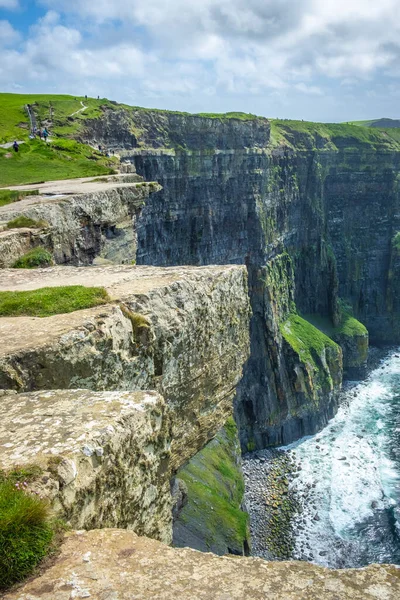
349,476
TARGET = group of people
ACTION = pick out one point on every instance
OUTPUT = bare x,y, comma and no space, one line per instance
41,133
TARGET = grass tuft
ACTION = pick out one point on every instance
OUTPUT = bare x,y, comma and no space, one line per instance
49,301
25,532
24,221
9,196
38,257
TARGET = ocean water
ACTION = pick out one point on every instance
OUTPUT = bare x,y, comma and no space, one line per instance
349,482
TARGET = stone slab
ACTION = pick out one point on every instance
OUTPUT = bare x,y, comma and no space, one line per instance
118,565
104,455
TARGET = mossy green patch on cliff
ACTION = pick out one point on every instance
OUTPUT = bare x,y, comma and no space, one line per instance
305,339
23,221
9,196
215,492
49,301
35,258
350,334
348,325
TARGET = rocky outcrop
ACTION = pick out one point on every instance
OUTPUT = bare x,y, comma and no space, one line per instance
111,564
103,456
182,331
78,228
123,128
208,494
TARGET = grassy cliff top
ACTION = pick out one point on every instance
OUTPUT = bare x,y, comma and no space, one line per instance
330,136
71,120
68,115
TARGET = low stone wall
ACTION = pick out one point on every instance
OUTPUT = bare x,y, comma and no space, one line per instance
114,564
104,457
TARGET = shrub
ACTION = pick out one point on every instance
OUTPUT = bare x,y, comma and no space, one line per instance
38,257
25,532
24,221
51,300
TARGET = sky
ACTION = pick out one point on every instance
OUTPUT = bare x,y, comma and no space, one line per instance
317,60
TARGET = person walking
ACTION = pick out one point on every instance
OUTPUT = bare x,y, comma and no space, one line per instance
15,146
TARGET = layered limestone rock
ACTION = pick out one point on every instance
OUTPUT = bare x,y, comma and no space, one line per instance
104,457
208,494
293,377
114,564
183,331
77,227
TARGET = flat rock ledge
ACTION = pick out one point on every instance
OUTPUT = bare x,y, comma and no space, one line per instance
103,456
182,331
113,564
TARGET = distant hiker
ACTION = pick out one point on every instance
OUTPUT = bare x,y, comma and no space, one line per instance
15,146
85,96
98,97
99,147
45,134
39,133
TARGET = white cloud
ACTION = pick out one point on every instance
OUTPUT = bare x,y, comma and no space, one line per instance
9,4
209,47
8,35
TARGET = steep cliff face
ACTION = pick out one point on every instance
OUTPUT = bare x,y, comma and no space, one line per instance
326,195
292,379
208,493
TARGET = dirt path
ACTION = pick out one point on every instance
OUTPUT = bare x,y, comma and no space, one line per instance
80,110
9,144
74,186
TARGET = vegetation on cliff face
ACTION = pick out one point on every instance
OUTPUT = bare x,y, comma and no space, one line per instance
350,334
305,339
24,221
215,489
26,531
35,258
49,301
9,196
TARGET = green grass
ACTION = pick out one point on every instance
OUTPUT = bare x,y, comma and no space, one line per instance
12,113
49,301
305,339
23,221
9,196
328,136
348,326
215,491
25,531
38,257
230,115
65,159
